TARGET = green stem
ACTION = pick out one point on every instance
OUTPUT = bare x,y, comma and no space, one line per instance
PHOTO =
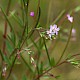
37,21
39,53
25,20
49,11
22,7
65,61
32,31
26,63
5,29
49,70
11,67
26,13
47,51
66,45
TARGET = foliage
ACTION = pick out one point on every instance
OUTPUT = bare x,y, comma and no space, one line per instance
29,45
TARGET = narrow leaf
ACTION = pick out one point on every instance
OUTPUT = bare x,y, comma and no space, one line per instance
9,46
59,16
52,62
26,64
77,9
17,19
5,58
41,68
24,77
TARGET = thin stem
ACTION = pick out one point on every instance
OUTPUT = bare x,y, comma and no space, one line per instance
38,71
23,34
22,7
46,51
46,70
38,58
38,7
66,45
11,67
32,31
37,21
15,50
49,70
25,24
74,55
26,12
49,11
26,63
5,28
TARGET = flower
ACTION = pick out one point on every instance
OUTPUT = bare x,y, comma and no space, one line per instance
32,14
53,30
70,18
33,61
73,31
4,71
73,38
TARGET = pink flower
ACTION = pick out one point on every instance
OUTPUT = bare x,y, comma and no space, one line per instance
73,31
32,14
73,38
70,18
53,30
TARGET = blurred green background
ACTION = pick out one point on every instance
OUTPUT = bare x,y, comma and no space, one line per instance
50,9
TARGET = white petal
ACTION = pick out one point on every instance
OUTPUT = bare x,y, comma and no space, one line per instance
70,18
58,29
68,15
56,33
48,32
54,26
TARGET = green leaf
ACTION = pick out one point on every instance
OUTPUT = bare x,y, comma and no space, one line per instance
39,50
41,68
17,19
6,18
27,65
9,46
13,38
5,58
52,62
74,62
69,56
57,77
12,32
24,77
77,9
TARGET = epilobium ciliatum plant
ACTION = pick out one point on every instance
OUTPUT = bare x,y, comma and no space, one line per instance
29,45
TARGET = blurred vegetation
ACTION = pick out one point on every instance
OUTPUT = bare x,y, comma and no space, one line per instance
50,10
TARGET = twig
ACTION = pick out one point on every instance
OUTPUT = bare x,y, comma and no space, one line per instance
49,70
5,28
11,67
65,46
31,32
74,55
